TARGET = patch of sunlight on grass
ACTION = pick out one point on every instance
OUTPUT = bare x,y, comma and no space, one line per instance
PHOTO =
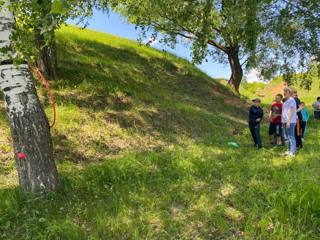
177,213
156,224
226,190
235,119
204,204
281,161
5,148
200,185
233,214
69,167
8,181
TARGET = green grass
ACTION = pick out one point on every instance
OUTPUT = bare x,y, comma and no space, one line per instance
141,148
251,89
268,92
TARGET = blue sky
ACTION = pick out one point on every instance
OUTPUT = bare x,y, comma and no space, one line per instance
115,24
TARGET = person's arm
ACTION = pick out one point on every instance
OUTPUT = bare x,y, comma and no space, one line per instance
299,109
270,115
290,116
259,119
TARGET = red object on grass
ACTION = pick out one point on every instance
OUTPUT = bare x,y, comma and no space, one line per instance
22,155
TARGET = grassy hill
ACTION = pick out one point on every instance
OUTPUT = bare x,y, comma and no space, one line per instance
142,150
277,85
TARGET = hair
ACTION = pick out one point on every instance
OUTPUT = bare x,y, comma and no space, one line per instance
279,95
302,103
288,89
293,90
318,98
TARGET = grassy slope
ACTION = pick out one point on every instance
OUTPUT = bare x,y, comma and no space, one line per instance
141,146
276,86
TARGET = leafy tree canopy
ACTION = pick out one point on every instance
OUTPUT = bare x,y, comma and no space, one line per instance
293,38
46,16
273,36
227,30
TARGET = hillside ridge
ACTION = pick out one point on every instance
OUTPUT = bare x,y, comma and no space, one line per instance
114,95
145,149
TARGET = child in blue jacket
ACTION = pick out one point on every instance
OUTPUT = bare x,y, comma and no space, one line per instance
305,118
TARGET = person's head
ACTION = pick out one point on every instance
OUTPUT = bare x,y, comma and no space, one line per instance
279,98
294,93
256,102
302,104
318,99
287,92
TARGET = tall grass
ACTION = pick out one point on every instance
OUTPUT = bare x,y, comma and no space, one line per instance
142,151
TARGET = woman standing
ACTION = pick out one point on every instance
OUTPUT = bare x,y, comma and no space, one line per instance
289,120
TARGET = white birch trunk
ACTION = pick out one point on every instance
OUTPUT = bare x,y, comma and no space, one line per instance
29,125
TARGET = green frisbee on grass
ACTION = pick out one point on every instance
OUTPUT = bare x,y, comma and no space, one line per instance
233,144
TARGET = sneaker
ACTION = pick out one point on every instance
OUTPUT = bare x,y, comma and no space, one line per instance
290,155
286,153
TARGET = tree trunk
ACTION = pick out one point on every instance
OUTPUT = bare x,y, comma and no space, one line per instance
236,69
46,55
29,126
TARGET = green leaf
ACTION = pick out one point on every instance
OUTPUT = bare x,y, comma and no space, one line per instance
58,7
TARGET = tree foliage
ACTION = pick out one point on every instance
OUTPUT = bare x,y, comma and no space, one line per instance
273,36
46,16
276,37
295,25
221,29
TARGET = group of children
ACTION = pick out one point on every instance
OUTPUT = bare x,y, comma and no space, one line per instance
288,119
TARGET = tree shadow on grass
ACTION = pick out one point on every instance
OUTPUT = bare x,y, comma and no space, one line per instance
124,199
175,193
147,131
104,70
146,194
148,95
110,68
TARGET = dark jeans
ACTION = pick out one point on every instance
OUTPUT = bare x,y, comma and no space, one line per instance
298,134
255,133
303,127
317,115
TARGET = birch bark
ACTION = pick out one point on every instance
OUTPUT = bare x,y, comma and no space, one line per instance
30,129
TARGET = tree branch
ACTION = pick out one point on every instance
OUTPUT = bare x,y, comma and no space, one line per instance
192,36
244,62
299,8
217,45
184,29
